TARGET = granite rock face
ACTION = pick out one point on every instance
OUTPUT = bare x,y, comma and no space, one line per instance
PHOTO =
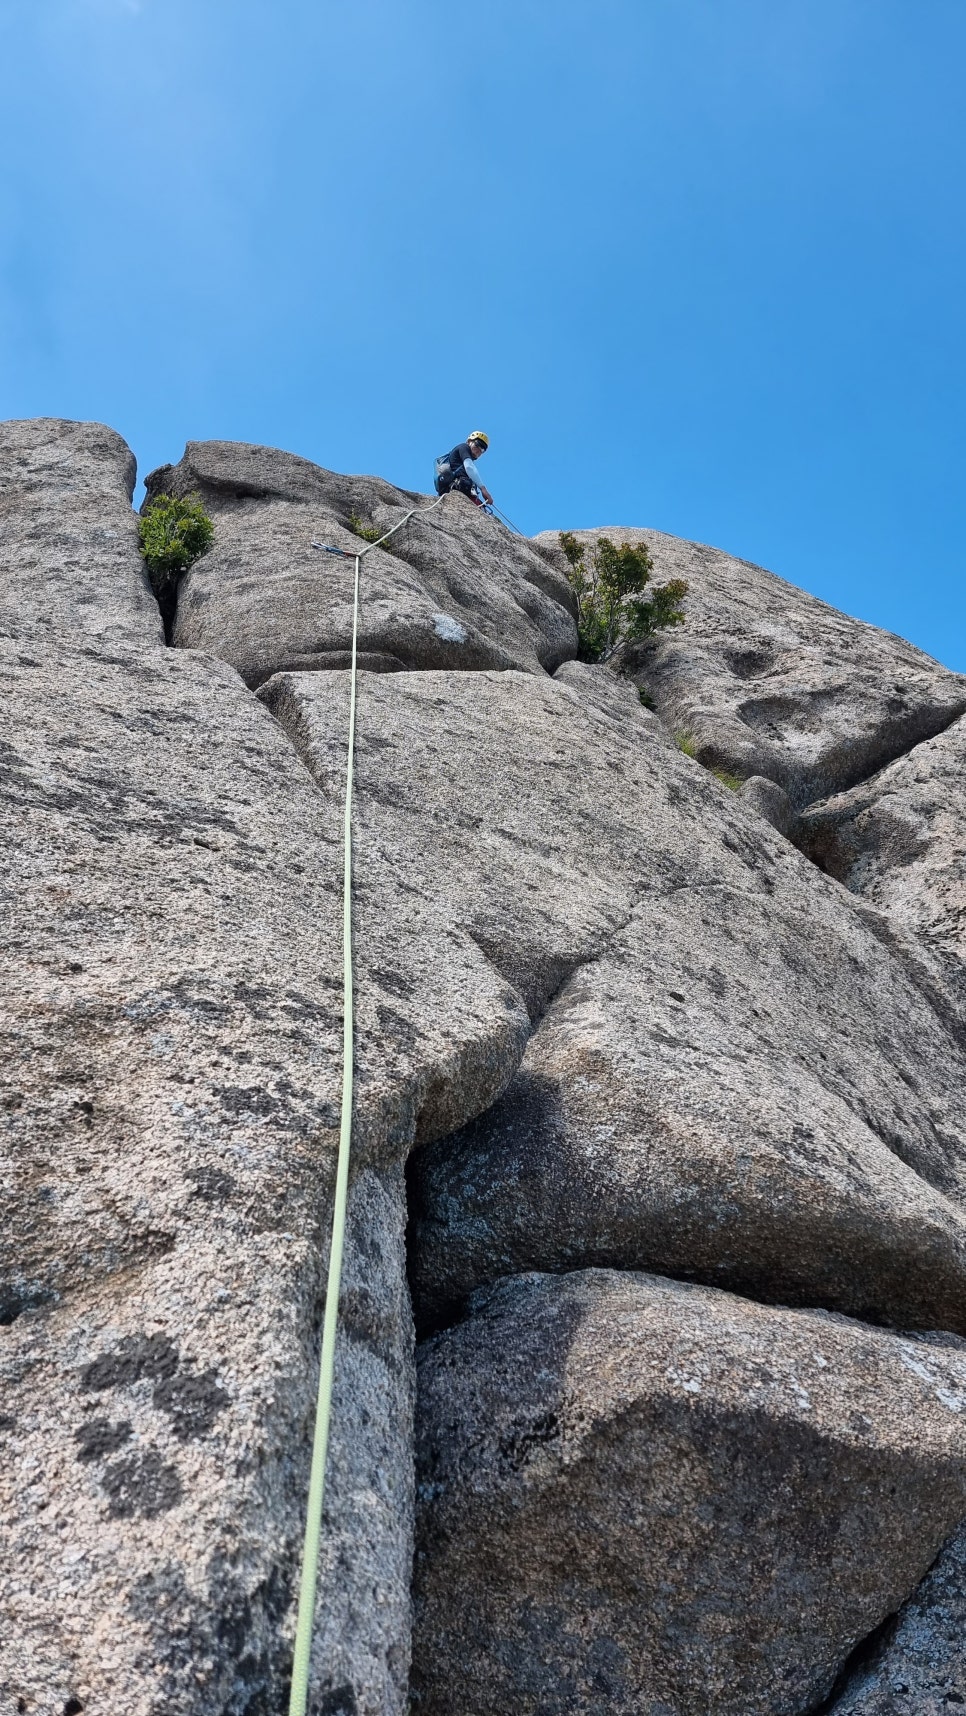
472,800
729,1076
634,1496
713,1098
899,841
615,696
771,802
68,538
171,1089
461,592
767,680
608,1019
919,1664
172,1053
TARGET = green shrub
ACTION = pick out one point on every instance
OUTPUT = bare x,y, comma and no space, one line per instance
686,744
368,532
373,533
174,534
611,606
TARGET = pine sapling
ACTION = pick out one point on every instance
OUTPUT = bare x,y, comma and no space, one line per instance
611,606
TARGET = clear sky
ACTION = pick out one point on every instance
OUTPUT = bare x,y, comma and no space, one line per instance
694,264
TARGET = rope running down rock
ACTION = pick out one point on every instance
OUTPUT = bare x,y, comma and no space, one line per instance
323,1412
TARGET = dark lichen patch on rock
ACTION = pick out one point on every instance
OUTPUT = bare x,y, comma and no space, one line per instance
192,1402
339,1701
99,1438
142,1486
135,1358
244,1650
394,983
211,1184
191,1399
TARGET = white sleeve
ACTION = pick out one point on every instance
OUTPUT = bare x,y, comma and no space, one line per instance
470,467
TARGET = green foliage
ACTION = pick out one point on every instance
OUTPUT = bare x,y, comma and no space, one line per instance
372,533
646,698
174,533
611,606
689,747
368,532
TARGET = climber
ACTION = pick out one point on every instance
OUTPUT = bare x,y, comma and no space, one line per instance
458,470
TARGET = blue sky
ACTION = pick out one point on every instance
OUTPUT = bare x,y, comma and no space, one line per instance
695,264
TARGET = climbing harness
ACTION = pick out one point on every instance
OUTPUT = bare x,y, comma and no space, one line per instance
323,1411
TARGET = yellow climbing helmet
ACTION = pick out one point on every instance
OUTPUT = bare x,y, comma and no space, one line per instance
478,435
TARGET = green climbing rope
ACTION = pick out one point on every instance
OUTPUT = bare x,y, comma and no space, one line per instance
323,1413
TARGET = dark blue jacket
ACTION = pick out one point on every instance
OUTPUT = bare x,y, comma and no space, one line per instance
445,478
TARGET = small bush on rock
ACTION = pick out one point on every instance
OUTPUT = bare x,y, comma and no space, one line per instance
174,534
373,533
368,532
611,606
